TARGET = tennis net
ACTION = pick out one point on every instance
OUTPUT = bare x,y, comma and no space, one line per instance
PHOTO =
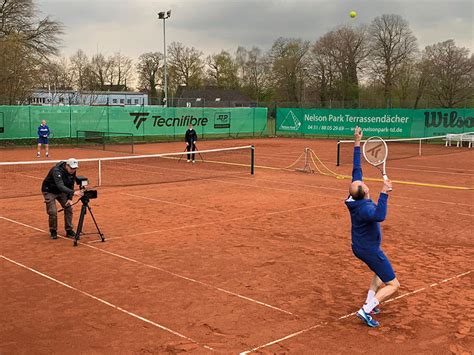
404,148
20,179
111,141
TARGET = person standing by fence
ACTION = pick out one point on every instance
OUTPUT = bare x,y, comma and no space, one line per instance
43,136
190,138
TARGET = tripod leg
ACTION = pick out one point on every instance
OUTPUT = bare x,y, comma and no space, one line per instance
182,155
196,148
102,238
80,224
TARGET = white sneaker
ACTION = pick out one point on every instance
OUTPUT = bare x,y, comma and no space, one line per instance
38,155
194,161
47,155
189,161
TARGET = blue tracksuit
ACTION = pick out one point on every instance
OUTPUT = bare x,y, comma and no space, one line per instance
366,233
43,134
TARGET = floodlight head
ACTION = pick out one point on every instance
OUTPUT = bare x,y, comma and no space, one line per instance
161,15
168,13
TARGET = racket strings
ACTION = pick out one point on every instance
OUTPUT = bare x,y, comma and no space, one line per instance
375,151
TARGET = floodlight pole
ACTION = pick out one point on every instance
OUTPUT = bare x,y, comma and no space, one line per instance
163,16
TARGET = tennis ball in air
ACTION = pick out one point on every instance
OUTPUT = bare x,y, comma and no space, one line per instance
352,14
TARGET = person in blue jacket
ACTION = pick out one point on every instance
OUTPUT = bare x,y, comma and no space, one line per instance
367,237
43,135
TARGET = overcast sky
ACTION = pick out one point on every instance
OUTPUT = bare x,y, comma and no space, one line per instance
132,27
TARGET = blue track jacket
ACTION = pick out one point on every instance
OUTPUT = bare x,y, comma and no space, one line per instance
43,131
365,214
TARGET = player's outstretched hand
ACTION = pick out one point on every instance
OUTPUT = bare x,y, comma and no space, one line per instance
387,186
358,133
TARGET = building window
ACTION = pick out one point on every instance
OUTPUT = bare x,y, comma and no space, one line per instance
122,101
129,101
136,101
114,101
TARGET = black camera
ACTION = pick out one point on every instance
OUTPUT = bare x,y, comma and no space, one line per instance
90,194
82,181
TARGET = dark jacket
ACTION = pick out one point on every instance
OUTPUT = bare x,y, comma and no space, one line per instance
43,131
190,136
365,214
59,181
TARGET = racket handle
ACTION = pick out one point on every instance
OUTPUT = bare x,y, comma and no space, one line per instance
385,177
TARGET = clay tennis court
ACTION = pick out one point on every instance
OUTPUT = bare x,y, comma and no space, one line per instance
237,263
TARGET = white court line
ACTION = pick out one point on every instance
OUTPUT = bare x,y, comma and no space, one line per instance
322,187
161,269
29,176
353,313
330,196
171,203
428,209
134,315
437,167
236,219
431,171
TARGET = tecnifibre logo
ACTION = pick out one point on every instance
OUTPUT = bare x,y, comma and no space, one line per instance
159,121
291,122
140,117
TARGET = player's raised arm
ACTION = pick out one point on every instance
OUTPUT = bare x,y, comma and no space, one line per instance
357,170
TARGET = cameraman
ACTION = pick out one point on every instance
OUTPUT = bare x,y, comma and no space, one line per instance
59,185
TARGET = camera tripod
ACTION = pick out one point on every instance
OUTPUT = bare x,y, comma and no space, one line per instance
190,151
85,207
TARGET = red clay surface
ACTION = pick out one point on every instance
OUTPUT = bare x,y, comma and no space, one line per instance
235,263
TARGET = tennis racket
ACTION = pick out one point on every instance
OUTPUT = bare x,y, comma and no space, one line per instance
375,151
51,134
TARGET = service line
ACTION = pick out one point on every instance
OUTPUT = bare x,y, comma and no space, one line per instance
160,269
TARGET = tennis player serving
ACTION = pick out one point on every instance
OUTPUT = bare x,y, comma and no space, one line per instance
367,237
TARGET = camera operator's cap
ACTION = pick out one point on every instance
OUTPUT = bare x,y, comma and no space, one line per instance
73,163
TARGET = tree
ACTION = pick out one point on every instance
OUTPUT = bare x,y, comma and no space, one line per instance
57,74
450,72
80,67
323,73
149,70
102,68
222,71
25,44
121,70
339,55
255,71
392,44
17,75
186,65
289,61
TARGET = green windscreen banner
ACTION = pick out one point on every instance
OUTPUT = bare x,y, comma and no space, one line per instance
64,121
388,123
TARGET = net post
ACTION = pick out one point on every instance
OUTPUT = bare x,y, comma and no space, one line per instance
338,152
252,160
419,148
